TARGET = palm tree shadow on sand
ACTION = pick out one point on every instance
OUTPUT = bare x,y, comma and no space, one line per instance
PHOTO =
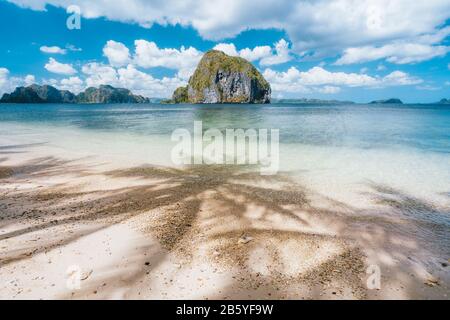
210,212
263,229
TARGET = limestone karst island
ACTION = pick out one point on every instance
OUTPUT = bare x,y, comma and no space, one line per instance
220,78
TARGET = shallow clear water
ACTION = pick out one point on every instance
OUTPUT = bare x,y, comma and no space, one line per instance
345,152
425,127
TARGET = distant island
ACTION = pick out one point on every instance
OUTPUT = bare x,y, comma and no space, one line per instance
310,101
41,94
220,78
388,101
48,94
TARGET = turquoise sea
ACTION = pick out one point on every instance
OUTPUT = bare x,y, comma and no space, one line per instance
421,127
349,153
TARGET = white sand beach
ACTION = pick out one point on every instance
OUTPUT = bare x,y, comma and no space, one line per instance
204,232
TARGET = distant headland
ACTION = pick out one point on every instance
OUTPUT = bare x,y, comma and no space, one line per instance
106,94
310,101
48,94
388,101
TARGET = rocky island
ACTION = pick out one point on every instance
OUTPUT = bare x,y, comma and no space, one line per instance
444,101
109,94
388,101
48,94
220,78
310,101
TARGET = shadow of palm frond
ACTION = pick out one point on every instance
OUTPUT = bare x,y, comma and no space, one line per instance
47,167
428,220
171,203
18,148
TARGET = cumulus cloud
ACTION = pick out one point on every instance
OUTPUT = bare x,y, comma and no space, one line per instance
256,53
397,78
72,84
320,80
98,74
117,53
323,27
4,74
400,53
53,50
131,78
281,56
266,55
418,49
146,85
59,68
228,48
8,83
148,55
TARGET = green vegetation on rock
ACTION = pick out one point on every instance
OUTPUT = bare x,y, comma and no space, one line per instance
180,95
48,94
220,78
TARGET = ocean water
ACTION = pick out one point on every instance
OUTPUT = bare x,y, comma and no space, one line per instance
350,153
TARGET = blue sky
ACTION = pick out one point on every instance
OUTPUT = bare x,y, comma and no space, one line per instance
370,50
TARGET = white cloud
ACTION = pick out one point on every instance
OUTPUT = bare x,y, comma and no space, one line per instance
148,55
320,80
227,48
144,84
319,76
72,84
99,74
400,53
324,27
59,68
117,53
418,49
137,81
397,78
266,55
8,84
29,80
281,56
256,53
4,74
53,50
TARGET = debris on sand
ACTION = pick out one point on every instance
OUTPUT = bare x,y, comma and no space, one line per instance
86,274
244,239
432,282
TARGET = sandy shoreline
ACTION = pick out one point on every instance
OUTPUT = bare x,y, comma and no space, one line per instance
202,233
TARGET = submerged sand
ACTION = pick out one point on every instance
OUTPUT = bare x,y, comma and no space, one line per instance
205,232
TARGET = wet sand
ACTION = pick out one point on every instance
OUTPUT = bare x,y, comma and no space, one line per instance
204,232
